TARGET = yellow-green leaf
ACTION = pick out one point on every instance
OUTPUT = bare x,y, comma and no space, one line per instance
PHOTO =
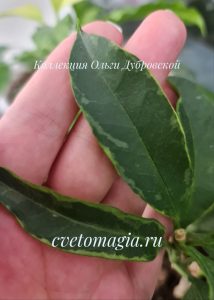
58,4
28,11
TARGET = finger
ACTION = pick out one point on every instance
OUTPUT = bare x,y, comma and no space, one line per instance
21,266
162,42
145,275
82,169
122,196
159,38
33,129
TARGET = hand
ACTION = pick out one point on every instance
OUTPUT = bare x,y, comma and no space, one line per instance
33,144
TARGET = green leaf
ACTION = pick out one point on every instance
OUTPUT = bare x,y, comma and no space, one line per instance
56,4
196,110
28,58
205,223
207,266
28,11
201,239
184,72
189,15
198,291
210,251
72,2
4,76
45,215
201,232
46,38
59,4
134,124
192,17
87,12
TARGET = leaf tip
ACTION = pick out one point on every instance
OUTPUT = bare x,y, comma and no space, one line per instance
78,26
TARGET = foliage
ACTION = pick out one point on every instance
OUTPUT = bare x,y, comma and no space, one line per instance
198,291
166,157
48,214
149,172
87,12
4,71
115,91
196,109
46,38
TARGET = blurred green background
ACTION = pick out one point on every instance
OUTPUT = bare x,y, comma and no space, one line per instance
46,23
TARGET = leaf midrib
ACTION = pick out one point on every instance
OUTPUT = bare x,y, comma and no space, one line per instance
123,108
64,216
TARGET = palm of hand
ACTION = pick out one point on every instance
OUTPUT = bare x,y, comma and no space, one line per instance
32,145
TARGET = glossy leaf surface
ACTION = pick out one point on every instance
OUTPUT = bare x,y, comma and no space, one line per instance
134,124
46,215
196,111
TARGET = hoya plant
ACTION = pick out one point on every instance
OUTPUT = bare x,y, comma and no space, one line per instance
165,154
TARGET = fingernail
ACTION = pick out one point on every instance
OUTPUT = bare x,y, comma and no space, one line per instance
118,27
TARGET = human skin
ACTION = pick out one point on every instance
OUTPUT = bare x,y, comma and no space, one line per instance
33,145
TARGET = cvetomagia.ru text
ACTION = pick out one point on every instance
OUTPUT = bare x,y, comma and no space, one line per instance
115,242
